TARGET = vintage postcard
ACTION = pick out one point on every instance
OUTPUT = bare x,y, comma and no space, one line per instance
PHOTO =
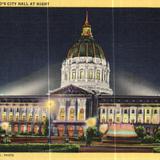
79,80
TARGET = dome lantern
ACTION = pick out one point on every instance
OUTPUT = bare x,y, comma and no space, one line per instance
86,29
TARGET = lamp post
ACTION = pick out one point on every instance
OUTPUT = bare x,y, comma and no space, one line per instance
5,126
50,105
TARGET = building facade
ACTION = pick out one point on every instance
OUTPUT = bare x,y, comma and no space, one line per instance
85,92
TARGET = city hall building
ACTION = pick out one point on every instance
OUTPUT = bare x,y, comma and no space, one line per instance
85,92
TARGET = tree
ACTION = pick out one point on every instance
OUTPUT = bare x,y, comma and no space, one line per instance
140,131
90,133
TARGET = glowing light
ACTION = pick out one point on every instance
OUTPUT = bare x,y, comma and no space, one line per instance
50,104
5,126
91,122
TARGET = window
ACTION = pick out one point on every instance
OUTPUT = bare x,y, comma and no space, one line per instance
36,118
23,117
4,110
98,75
11,117
125,111
62,114
118,111
81,114
73,74
111,111
148,111
30,118
81,74
140,111
133,111
90,74
103,111
155,111
71,115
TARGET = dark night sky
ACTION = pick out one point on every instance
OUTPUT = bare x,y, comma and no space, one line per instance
134,62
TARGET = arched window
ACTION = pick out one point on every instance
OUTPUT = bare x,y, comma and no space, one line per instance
81,114
62,114
71,114
73,74
90,74
98,75
81,74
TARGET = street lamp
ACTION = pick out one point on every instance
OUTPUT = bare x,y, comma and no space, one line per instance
91,122
50,104
5,126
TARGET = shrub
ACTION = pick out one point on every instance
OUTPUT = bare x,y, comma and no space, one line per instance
148,139
156,149
140,131
157,140
157,135
39,147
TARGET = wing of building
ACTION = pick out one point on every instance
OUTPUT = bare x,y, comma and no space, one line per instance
85,92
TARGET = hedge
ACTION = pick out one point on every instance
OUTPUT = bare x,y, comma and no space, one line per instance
156,149
39,147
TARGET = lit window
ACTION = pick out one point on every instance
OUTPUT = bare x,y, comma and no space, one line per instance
81,114
98,75
71,115
10,117
81,74
36,118
23,117
90,74
62,114
73,74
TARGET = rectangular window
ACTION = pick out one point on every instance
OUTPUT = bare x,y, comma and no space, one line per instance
98,75
148,111
133,111
73,74
125,111
155,111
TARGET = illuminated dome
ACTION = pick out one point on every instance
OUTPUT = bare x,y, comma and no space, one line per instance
86,47
85,65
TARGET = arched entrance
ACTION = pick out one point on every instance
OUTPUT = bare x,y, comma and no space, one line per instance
80,131
15,128
36,129
60,130
70,131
